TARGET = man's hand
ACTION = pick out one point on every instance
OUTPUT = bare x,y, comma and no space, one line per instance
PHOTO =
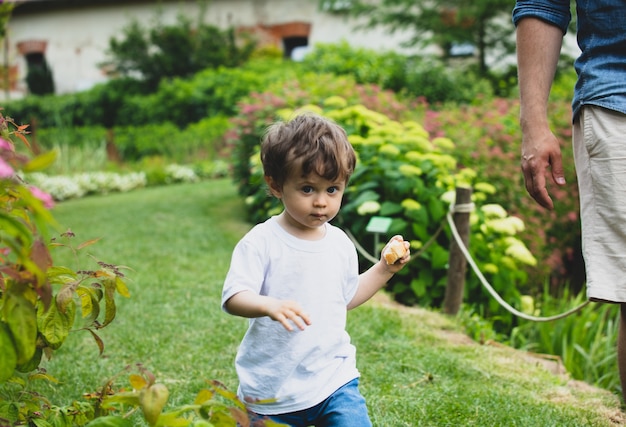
540,155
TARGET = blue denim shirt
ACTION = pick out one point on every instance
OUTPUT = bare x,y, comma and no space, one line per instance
601,36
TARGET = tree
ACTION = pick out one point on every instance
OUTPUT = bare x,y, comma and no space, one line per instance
483,24
179,50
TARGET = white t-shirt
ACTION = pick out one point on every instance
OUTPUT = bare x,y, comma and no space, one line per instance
281,371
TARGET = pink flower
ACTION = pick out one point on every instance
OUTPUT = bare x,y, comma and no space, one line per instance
5,145
46,198
6,171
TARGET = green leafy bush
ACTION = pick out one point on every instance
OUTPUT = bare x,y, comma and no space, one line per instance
121,102
136,142
257,111
49,138
40,303
386,69
177,50
412,76
404,174
585,341
488,139
209,93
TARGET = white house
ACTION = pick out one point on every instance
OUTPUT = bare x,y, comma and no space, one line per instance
73,35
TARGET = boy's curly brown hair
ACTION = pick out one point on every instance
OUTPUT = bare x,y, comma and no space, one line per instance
306,144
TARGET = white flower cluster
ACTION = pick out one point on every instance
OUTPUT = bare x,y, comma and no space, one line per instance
62,187
179,173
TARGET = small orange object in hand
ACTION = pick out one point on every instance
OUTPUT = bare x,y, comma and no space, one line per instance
395,250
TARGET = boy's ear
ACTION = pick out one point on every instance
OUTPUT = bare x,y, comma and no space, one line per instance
273,187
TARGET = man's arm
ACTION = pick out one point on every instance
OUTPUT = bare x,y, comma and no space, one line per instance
538,49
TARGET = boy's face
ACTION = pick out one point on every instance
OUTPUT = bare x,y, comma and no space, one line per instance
309,202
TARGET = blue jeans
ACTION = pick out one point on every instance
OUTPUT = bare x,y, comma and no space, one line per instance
344,408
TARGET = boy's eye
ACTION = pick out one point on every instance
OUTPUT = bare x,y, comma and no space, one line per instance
332,190
307,189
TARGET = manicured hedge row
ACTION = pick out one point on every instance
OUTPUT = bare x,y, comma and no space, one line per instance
132,143
123,102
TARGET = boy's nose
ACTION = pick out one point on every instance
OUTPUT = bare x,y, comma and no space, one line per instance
319,201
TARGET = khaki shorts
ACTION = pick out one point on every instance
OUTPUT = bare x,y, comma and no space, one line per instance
599,142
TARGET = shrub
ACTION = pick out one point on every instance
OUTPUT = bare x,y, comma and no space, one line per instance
257,111
584,341
40,302
366,66
64,187
405,175
122,102
178,50
488,138
48,138
412,76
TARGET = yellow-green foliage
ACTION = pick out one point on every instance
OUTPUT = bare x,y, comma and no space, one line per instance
404,174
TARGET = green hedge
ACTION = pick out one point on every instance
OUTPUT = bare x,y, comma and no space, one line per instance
413,76
124,102
197,141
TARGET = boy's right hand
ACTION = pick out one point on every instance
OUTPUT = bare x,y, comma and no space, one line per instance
287,313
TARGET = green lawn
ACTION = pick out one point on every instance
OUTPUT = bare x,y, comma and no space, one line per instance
417,370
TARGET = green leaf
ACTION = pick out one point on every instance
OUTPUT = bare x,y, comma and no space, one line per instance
21,317
130,398
109,299
363,196
8,361
40,162
39,422
12,227
33,363
61,275
439,258
55,324
110,421
419,287
121,287
436,209
398,226
417,215
89,302
9,410
420,231
390,208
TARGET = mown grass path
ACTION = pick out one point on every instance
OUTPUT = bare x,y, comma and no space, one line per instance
178,240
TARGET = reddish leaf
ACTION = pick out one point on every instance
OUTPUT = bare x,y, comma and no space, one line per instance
23,138
40,255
